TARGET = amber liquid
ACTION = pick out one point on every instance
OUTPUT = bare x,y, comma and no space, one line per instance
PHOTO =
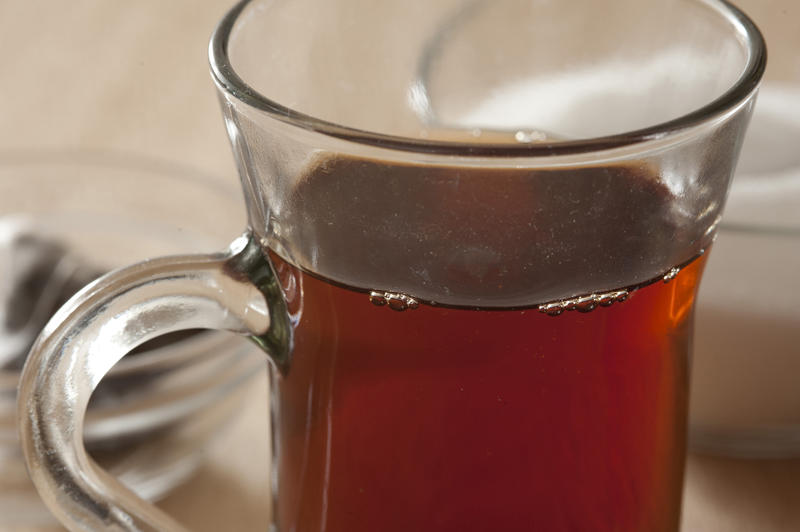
443,419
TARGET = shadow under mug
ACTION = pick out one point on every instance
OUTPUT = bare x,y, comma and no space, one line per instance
475,235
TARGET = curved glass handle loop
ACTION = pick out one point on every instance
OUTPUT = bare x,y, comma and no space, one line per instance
235,291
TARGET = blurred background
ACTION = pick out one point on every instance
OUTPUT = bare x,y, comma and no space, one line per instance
128,82
131,79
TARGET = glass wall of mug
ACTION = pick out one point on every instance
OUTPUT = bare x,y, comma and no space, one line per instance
745,397
477,248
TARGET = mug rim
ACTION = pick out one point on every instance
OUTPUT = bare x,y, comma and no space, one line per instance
227,79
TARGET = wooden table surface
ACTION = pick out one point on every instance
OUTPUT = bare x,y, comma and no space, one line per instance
132,77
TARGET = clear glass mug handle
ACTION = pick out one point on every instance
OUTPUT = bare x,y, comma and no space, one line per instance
235,291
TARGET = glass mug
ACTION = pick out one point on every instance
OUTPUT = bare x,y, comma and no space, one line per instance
472,324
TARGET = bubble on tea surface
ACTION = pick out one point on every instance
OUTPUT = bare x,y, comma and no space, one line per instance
670,275
377,298
551,309
605,300
394,300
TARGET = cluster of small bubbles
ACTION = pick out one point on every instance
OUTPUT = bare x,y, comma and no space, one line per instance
394,300
529,136
670,275
584,303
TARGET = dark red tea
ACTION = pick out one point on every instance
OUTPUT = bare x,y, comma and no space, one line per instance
447,419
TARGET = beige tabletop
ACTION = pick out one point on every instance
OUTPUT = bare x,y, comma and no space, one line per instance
132,77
